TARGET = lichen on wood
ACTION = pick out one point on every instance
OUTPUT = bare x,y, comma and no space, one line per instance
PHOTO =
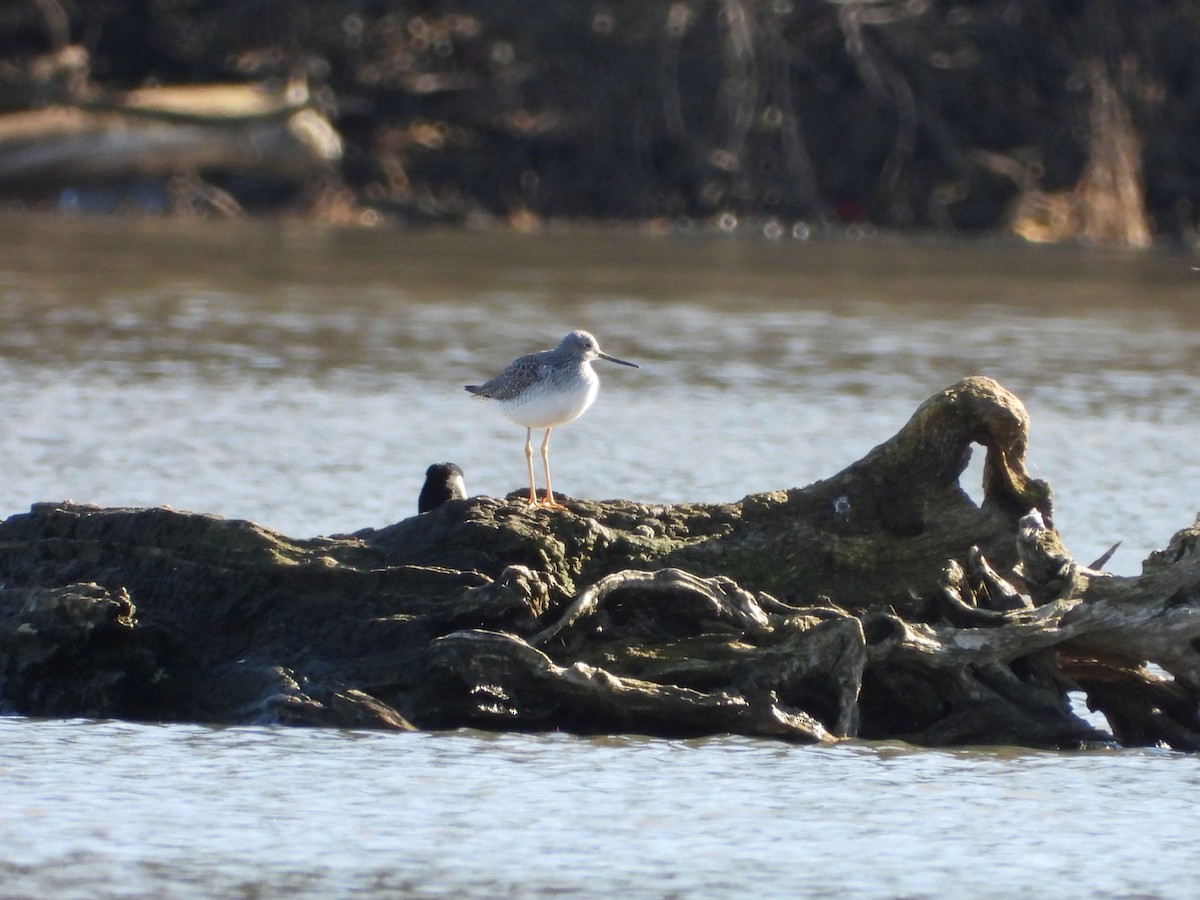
879,603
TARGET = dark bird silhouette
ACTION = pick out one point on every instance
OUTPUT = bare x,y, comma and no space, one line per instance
443,481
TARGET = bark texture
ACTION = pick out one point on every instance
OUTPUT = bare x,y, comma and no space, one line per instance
879,603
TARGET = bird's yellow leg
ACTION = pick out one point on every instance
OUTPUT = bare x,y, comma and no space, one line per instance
529,460
549,502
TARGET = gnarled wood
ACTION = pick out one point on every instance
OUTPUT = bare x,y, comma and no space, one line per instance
881,603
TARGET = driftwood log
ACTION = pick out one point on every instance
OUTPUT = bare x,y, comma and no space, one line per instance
89,136
880,603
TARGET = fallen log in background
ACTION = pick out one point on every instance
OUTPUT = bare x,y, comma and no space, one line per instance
879,603
163,131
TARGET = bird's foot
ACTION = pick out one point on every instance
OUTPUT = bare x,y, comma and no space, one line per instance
548,502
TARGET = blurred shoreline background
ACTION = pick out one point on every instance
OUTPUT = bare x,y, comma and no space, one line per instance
1070,121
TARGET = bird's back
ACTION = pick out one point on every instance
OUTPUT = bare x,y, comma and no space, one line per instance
520,375
543,389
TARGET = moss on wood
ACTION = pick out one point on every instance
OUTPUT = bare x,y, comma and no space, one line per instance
881,603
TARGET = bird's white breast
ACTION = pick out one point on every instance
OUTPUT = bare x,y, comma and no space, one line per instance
548,404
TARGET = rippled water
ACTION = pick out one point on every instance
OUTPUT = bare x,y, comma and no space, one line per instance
304,378
181,810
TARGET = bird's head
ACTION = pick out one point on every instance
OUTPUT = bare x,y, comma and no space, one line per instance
587,348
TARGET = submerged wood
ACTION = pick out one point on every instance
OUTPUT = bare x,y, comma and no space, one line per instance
879,603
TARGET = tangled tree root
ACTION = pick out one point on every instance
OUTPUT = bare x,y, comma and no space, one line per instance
879,603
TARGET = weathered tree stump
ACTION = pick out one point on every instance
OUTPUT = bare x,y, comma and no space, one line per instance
880,603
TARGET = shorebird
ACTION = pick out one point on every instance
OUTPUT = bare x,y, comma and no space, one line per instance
443,481
544,390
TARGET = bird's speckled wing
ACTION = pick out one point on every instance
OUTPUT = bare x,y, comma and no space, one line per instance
522,372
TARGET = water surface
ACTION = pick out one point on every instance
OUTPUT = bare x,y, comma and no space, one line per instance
187,811
304,378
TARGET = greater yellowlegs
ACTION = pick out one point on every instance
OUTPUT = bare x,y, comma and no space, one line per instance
547,389
443,481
